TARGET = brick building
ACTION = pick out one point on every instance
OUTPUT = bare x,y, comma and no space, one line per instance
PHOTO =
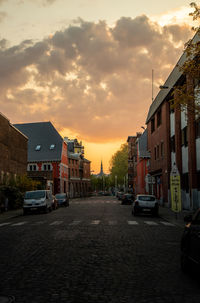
132,160
143,156
47,155
78,168
13,150
174,138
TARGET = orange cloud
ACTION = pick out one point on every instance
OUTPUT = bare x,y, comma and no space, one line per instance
91,79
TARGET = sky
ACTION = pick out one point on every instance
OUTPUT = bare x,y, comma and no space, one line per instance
86,65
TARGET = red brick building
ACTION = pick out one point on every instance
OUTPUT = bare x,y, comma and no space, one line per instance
132,161
79,170
47,155
143,156
13,150
174,138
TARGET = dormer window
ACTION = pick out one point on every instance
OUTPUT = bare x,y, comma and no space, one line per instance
52,146
38,147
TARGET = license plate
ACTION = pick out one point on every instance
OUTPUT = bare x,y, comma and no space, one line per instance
33,208
146,209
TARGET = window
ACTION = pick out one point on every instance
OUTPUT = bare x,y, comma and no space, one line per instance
152,125
159,117
184,137
52,146
32,167
162,149
158,152
47,167
172,144
38,147
197,128
155,153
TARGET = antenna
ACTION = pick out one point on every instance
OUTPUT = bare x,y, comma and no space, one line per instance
152,82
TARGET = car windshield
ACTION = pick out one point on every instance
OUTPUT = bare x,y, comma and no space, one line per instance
146,198
35,194
60,196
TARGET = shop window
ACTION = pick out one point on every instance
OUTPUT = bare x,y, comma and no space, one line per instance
185,182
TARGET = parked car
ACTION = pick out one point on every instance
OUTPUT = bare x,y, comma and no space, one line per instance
190,242
55,203
145,203
119,195
127,199
41,200
63,199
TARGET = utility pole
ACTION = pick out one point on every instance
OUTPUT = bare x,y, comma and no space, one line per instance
152,83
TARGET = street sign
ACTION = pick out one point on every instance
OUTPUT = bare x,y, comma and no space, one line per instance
149,179
175,189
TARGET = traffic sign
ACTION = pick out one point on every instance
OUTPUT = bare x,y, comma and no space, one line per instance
175,188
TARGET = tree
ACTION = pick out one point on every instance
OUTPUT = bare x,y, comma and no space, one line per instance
188,94
119,165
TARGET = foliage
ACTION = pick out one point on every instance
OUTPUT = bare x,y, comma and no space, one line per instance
100,183
185,94
14,189
119,165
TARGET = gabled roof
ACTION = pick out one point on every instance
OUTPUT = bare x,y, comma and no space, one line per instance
45,135
170,83
142,146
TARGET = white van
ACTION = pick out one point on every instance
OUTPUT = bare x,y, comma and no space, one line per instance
38,200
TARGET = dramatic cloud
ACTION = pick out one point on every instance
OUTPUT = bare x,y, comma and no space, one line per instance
2,15
91,79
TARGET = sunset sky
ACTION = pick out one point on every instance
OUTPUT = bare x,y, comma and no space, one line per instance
86,65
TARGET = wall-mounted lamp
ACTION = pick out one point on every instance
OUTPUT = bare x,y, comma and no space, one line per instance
163,87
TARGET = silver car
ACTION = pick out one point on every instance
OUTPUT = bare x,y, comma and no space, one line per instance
38,200
145,203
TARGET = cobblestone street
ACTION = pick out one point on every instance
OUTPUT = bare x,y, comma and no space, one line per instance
94,251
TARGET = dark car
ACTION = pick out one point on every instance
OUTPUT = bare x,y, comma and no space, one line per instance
62,199
127,199
190,242
119,195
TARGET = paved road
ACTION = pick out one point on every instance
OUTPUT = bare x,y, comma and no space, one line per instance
95,251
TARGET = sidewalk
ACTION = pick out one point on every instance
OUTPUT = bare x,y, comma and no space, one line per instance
6,215
170,216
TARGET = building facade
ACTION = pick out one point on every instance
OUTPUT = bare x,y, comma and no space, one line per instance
13,150
143,156
174,140
132,161
78,169
47,156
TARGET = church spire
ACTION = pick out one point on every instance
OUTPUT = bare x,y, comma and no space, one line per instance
101,170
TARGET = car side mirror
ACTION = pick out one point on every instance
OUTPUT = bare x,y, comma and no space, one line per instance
188,218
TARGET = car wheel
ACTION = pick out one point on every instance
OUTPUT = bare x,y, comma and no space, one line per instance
46,209
155,213
185,263
25,212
